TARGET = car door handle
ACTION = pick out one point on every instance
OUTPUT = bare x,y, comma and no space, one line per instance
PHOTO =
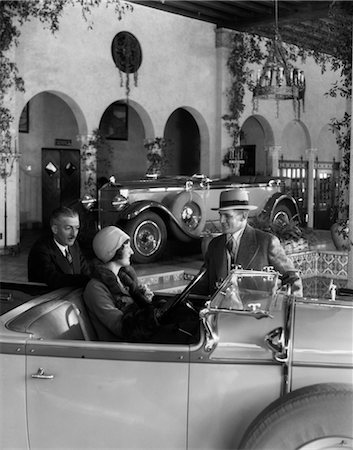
42,375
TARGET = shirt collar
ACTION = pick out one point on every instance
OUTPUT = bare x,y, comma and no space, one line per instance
237,235
62,248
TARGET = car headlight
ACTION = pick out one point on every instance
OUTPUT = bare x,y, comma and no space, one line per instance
88,202
119,202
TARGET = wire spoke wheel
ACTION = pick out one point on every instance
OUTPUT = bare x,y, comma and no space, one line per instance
148,237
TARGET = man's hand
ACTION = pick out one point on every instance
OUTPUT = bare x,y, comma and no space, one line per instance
289,278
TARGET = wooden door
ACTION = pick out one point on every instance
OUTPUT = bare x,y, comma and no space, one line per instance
248,168
60,179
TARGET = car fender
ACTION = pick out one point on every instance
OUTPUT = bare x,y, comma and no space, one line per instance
133,210
275,200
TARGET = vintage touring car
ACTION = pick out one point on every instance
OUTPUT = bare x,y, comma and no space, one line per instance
265,371
152,210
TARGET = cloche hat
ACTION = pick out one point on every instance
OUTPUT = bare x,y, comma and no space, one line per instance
234,199
107,241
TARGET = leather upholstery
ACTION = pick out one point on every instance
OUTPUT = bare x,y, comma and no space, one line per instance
56,319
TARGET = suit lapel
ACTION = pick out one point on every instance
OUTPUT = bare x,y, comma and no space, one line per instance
75,258
248,248
60,259
221,261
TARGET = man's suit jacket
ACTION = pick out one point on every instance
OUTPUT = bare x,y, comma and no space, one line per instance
47,264
257,249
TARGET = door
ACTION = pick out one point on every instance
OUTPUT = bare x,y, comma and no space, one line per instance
107,395
60,179
325,185
248,168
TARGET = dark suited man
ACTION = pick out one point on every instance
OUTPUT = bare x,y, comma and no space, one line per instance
240,244
57,260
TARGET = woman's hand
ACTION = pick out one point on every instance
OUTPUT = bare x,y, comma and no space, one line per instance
147,292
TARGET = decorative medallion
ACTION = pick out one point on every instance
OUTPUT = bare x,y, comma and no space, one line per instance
126,52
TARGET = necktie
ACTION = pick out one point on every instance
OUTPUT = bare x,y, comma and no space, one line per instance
231,248
68,256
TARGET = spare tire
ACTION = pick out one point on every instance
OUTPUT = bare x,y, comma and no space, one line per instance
190,214
148,237
317,416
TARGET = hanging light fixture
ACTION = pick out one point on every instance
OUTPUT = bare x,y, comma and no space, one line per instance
278,79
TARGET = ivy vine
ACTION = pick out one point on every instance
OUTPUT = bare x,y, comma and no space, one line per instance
13,14
332,52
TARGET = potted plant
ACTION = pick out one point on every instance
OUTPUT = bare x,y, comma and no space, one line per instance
156,156
292,236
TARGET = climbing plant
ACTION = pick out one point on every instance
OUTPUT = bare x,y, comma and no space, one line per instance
332,52
246,49
13,14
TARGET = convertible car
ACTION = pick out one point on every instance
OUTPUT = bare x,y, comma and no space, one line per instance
265,371
151,210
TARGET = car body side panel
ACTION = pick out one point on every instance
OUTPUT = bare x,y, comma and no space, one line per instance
307,375
323,333
98,403
230,385
164,190
225,398
13,423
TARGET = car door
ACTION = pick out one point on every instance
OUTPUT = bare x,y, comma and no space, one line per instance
232,383
106,395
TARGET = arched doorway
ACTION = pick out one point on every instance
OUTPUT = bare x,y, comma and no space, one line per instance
50,158
183,144
254,138
124,127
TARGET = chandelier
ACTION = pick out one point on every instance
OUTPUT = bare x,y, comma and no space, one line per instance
278,79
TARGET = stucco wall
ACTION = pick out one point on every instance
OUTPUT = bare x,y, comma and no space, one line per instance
181,68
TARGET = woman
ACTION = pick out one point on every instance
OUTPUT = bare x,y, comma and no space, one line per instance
119,308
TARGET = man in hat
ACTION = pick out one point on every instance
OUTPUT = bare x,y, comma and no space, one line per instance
56,260
242,245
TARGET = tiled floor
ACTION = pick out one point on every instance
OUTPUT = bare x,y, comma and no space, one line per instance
178,257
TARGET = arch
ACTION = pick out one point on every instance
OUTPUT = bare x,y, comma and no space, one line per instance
326,144
267,129
145,118
204,136
295,139
52,115
188,137
256,138
125,157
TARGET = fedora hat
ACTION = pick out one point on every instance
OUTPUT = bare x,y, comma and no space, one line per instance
234,199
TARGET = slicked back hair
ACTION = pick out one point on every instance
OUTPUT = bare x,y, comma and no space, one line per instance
63,211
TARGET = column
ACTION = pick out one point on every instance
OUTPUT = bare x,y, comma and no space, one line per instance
311,154
88,164
273,152
350,190
9,192
223,140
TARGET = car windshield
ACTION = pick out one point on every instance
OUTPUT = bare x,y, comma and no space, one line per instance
246,290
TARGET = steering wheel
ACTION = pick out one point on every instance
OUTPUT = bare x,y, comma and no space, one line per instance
180,298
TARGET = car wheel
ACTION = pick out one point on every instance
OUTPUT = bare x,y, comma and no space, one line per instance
281,215
189,212
314,417
148,236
